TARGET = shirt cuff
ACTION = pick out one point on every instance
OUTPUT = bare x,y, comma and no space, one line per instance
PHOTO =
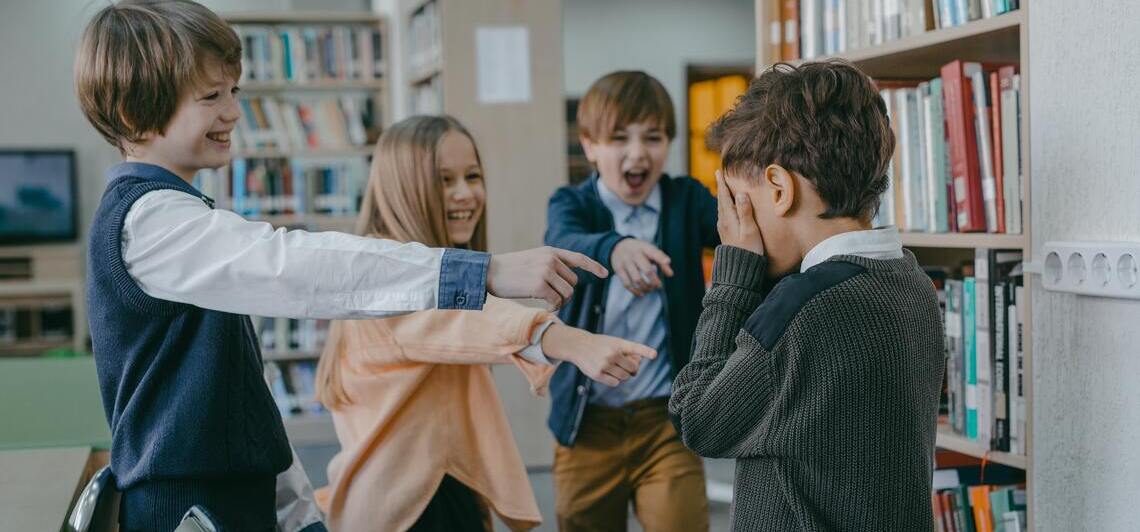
534,352
463,280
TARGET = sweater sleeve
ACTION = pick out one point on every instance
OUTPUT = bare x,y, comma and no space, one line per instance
721,395
495,335
567,229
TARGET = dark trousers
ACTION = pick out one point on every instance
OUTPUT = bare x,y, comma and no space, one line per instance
454,507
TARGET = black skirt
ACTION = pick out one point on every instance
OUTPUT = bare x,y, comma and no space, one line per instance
453,508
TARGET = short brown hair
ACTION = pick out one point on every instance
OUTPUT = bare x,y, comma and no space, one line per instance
621,98
822,120
137,57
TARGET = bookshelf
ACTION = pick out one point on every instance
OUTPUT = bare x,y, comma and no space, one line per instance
315,97
42,300
999,39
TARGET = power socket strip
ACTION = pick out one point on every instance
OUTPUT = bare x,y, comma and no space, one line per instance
1102,269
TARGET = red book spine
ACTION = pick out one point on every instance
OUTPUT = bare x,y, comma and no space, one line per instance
995,123
959,101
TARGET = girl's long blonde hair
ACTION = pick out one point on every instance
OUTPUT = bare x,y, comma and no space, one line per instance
403,201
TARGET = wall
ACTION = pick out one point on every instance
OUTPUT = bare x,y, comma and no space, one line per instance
659,37
1085,186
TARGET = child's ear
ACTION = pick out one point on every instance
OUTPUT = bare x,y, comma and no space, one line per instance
588,147
781,187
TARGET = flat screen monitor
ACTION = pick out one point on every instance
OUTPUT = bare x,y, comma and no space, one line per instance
38,196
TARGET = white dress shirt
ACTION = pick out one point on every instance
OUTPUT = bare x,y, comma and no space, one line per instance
178,249
882,243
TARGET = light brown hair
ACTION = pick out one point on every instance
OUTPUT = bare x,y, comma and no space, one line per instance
403,201
822,120
622,98
138,57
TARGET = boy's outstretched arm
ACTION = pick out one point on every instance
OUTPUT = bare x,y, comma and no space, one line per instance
178,249
721,396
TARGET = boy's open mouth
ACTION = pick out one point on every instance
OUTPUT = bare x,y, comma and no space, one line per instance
636,178
219,136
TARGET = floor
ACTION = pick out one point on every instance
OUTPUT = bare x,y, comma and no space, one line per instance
719,473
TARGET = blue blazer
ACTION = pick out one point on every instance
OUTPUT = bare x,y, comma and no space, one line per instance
578,220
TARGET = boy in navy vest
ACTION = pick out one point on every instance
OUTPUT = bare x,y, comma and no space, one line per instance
170,279
617,445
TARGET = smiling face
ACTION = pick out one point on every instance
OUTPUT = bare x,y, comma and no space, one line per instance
198,134
464,194
631,160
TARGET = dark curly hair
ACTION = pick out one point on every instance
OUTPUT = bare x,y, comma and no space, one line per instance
822,120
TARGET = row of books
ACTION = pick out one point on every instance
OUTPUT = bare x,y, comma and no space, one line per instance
969,496
806,29
314,123
293,387
305,54
425,39
957,165
31,324
274,186
985,313
280,335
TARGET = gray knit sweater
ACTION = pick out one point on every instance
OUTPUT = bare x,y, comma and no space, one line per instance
825,391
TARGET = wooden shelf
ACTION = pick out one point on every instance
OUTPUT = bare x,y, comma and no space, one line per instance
302,17
994,39
964,240
290,355
960,444
317,85
310,429
23,288
285,154
29,348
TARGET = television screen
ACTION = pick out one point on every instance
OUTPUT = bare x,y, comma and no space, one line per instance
37,196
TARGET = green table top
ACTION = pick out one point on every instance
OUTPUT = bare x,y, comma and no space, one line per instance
51,402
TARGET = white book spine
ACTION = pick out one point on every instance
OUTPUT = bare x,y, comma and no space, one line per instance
905,123
918,161
932,175
985,149
983,342
841,25
1020,303
877,26
1011,374
1011,155
811,28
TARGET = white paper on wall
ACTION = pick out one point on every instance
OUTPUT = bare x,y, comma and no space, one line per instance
502,64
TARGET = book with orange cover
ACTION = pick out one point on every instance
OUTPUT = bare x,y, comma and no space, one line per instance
790,15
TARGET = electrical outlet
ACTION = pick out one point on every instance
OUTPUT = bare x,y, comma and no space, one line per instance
1103,269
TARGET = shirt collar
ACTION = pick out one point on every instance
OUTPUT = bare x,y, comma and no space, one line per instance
152,172
882,243
621,209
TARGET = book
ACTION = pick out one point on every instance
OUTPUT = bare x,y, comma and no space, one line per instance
970,356
1006,500
980,503
982,133
954,353
909,159
811,28
998,160
1019,399
1009,86
790,16
991,267
962,133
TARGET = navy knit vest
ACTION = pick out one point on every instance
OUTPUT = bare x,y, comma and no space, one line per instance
192,420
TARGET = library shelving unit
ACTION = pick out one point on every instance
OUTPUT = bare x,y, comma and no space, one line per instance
314,58
42,299
999,39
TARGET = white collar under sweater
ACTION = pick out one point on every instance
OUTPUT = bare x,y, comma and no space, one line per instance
882,243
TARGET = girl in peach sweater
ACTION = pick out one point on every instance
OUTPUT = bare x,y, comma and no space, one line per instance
425,444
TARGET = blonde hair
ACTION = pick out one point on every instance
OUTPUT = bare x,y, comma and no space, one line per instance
138,57
403,201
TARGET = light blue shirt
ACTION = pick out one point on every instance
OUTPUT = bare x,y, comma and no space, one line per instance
637,319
